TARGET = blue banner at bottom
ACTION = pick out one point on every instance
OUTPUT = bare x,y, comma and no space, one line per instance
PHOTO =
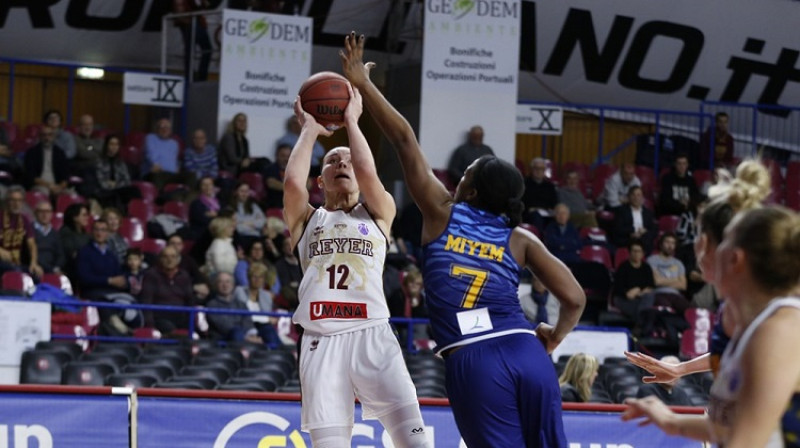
53,420
190,423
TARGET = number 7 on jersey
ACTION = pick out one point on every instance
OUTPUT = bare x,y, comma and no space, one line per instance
477,278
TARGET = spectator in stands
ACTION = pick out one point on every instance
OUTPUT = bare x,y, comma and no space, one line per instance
87,147
250,220
634,286
289,274
669,274
113,179
540,196
167,284
274,177
74,235
229,327
539,306
134,270
290,139
48,241
253,255
561,237
572,196
161,152
205,208
467,153
16,232
678,189
687,233
99,270
61,138
234,148
256,296
197,27
8,163
578,377
115,241
634,221
273,238
409,301
221,255
200,158
722,144
616,188
408,232
46,166
666,392
200,283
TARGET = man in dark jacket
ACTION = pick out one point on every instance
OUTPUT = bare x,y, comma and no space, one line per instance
678,189
46,166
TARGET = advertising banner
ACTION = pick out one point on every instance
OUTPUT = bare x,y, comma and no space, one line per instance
185,423
22,324
265,60
52,421
152,89
470,65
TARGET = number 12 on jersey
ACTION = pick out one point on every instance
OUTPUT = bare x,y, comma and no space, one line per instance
477,278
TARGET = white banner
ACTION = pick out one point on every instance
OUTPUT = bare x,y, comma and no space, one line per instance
152,89
470,61
536,119
265,60
22,325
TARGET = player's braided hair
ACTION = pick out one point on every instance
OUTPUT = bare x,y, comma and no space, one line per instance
499,187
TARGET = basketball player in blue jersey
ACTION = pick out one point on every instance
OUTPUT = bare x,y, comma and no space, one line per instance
755,398
500,380
348,349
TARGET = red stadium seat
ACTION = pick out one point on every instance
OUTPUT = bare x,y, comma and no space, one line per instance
131,229
599,176
593,234
32,130
150,245
581,168
65,200
668,223
138,208
597,254
58,220
18,282
132,155
444,178
59,281
256,183
11,130
21,144
177,209
148,190
701,177
620,256
34,197
274,212
135,138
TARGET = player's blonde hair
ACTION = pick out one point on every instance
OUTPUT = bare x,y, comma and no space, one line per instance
770,238
578,372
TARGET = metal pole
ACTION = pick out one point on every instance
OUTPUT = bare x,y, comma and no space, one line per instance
755,131
658,145
11,66
601,136
164,44
70,93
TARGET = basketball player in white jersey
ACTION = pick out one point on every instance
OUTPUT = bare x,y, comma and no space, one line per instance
348,349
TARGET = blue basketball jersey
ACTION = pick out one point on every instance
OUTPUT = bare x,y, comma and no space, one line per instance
471,280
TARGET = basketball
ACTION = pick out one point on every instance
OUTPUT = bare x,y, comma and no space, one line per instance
324,95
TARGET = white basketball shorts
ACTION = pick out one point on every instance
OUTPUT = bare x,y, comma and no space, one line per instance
366,364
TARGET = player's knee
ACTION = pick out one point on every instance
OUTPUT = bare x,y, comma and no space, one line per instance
331,437
409,434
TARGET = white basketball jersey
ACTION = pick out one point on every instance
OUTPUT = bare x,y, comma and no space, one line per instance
727,385
342,256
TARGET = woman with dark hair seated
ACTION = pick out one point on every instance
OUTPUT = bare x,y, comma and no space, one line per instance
74,235
112,185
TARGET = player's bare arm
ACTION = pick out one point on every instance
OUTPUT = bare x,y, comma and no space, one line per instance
428,193
530,251
296,208
377,200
